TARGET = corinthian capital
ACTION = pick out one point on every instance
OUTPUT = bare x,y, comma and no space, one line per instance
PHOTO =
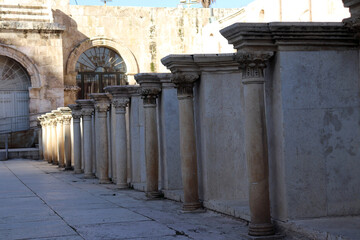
75,110
102,102
252,65
184,82
120,102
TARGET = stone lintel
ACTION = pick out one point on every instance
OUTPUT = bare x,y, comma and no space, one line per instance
65,110
75,110
123,91
165,79
102,101
149,83
19,26
289,36
180,63
85,103
216,62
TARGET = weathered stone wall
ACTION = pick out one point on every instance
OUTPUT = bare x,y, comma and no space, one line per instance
44,50
314,110
148,33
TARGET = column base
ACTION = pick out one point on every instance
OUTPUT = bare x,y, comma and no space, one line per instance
154,195
61,165
192,207
67,168
55,163
78,171
271,237
104,181
89,176
265,229
122,185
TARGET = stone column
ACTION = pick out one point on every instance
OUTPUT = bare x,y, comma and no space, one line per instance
256,150
60,139
67,136
76,146
120,100
55,136
51,128
58,131
87,109
184,83
40,137
43,124
47,138
150,89
102,105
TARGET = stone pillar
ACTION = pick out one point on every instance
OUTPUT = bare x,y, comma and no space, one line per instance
102,105
87,109
47,138
120,100
76,146
40,132
43,124
52,141
184,83
150,89
67,136
256,150
60,138
55,136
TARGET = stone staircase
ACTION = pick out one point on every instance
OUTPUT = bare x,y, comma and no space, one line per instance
26,12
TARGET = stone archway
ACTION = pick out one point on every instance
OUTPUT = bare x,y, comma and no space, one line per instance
23,138
70,78
126,54
25,62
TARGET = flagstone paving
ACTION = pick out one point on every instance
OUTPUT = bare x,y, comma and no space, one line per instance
40,201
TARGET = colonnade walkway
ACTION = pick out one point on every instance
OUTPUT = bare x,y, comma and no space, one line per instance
40,201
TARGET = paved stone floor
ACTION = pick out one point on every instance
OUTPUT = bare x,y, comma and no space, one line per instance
38,201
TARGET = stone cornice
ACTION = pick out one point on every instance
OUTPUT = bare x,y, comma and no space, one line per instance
85,103
102,101
289,36
180,63
150,87
75,110
122,91
216,62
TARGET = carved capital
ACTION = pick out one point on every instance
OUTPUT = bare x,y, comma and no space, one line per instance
252,65
149,95
87,111
67,119
120,102
184,82
75,111
102,106
353,23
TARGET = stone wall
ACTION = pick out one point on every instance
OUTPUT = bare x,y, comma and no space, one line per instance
315,108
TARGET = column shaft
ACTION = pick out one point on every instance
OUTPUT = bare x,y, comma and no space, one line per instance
188,154
256,149
151,150
67,143
88,155
102,147
61,144
77,145
120,150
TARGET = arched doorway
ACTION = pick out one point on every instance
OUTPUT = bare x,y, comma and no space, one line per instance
97,68
14,96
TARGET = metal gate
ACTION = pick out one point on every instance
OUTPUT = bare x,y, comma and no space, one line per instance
14,96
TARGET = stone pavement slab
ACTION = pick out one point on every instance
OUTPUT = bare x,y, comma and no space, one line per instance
40,201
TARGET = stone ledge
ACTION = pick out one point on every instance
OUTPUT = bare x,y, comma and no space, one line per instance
31,26
27,153
235,208
339,228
